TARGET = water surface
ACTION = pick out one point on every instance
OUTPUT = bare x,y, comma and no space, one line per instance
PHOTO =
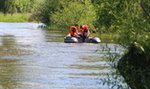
32,58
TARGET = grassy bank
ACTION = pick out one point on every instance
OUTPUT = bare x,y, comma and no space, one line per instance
19,17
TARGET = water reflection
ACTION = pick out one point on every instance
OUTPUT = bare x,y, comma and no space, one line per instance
95,66
9,47
44,61
8,72
53,36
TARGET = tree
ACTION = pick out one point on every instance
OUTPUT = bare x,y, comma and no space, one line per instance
46,9
105,16
75,13
25,5
17,6
2,5
131,20
7,6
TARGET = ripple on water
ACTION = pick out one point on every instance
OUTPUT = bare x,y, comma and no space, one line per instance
32,58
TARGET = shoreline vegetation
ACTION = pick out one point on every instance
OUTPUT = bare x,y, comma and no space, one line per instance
18,17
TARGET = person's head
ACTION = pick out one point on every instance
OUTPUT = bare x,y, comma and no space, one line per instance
76,25
84,27
73,30
85,30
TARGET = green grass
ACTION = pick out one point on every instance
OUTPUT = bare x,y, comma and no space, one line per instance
19,17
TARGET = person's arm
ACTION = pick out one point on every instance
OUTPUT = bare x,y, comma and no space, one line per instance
88,33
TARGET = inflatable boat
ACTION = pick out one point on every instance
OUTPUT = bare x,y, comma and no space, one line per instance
69,39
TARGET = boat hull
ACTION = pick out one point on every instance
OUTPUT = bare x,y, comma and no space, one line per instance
69,39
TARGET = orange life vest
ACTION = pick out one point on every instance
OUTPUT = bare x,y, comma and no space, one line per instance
73,31
84,29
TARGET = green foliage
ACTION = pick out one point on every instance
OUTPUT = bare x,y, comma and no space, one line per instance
8,6
24,5
75,13
105,15
14,6
129,18
46,9
134,25
134,67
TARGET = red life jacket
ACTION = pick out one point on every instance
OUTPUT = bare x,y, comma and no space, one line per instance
84,29
73,31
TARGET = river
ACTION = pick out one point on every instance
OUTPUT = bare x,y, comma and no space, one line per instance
33,58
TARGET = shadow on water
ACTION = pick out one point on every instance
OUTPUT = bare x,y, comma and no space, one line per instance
9,47
112,53
10,68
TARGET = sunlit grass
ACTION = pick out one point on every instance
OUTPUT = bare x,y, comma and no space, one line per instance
19,17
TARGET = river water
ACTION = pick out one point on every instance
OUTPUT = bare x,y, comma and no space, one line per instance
33,58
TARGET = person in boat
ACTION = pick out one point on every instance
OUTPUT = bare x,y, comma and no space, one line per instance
84,32
74,31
